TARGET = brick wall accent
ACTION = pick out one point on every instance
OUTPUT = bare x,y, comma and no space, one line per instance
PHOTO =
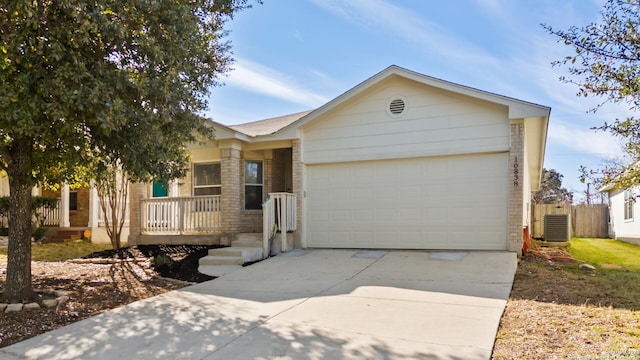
184,184
232,197
297,168
251,220
137,192
267,178
80,217
516,187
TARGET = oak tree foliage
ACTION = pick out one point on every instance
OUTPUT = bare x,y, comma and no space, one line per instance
551,190
88,84
605,63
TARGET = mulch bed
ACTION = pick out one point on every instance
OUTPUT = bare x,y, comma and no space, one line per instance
95,285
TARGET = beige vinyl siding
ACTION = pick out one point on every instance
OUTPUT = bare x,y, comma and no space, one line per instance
436,122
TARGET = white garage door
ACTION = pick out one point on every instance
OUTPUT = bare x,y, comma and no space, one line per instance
452,202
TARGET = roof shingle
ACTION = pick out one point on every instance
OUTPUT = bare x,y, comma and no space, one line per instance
268,126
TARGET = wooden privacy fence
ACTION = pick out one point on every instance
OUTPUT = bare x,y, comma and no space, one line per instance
586,220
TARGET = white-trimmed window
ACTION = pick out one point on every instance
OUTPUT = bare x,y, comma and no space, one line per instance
73,200
207,179
628,204
253,185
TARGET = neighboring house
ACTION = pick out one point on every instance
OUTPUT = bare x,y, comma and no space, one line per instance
401,161
78,210
624,213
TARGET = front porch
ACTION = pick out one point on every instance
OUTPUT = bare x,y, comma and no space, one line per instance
234,190
197,220
74,212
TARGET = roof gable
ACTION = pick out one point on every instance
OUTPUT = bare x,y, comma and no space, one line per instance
535,117
517,108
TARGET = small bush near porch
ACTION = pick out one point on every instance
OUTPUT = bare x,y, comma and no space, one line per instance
559,310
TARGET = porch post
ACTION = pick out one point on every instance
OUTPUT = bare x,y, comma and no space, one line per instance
231,198
267,179
94,207
297,169
173,188
64,206
137,192
516,179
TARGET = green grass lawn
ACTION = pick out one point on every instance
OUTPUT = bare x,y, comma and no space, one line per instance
606,254
60,251
617,276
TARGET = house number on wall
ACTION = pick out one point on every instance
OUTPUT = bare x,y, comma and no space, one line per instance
516,178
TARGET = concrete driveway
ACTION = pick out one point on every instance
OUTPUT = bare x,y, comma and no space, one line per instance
320,304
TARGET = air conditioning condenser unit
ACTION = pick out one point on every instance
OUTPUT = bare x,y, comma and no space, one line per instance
556,228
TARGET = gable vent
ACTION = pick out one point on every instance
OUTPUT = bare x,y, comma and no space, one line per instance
396,106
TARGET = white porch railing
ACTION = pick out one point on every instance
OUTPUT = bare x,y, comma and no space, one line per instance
47,215
181,215
50,216
268,225
285,211
101,215
279,214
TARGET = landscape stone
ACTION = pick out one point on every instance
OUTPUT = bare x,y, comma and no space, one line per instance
587,267
62,299
50,303
31,306
3,306
13,308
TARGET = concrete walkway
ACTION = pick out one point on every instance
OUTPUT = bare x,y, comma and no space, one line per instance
321,304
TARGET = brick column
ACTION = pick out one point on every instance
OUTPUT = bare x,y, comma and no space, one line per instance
185,184
516,187
297,168
137,192
231,199
267,176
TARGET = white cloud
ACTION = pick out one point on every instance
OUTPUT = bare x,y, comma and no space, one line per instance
266,81
409,26
583,140
493,7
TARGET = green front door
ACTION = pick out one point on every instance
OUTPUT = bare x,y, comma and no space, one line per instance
159,189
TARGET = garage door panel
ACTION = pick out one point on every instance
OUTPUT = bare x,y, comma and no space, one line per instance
456,202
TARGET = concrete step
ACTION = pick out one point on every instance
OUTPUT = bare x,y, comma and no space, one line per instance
59,235
226,251
248,254
220,260
218,270
247,243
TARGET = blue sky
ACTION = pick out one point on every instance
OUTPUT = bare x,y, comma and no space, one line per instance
295,55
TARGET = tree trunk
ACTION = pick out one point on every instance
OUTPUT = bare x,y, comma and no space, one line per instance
18,286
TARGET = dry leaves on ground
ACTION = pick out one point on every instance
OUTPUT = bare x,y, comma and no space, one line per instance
94,288
557,314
